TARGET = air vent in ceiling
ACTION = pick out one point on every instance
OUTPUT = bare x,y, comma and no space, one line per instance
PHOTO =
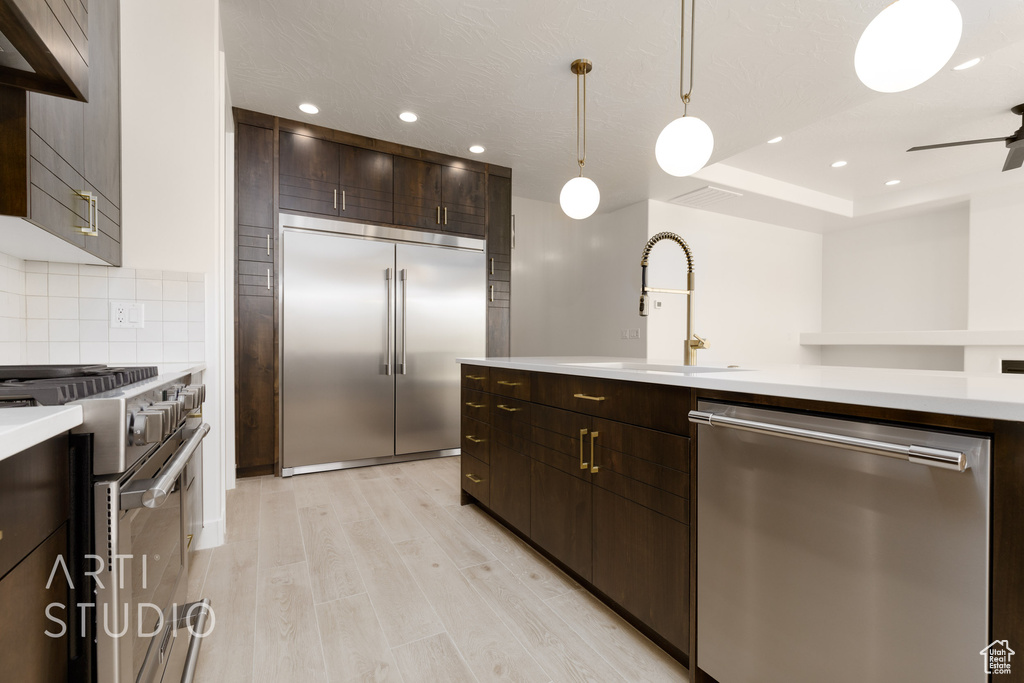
705,196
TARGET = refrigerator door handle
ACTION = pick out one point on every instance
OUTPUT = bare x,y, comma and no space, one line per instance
405,291
389,354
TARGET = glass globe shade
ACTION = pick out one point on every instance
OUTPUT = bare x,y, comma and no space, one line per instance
684,146
579,198
907,43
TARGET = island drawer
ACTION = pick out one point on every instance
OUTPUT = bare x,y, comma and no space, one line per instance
476,439
476,404
476,479
475,377
514,383
511,415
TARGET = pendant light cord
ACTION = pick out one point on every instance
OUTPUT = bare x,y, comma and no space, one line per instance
581,160
683,93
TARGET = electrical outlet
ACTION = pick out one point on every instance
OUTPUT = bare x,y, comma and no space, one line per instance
623,334
127,314
634,333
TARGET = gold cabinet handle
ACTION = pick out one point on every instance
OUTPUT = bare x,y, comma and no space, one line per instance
474,439
583,465
89,229
476,378
593,460
439,215
508,384
492,266
268,278
492,292
509,410
343,208
476,405
589,398
446,215
268,245
473,478
335,198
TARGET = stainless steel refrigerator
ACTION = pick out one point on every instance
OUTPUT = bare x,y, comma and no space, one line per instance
372,320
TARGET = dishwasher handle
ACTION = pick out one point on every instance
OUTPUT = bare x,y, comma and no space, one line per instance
919,455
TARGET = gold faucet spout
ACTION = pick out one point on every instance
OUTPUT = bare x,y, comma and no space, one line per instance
694,342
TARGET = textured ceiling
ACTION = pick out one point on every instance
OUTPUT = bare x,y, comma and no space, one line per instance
496,73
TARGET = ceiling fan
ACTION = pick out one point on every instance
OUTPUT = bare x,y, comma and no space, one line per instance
1014,143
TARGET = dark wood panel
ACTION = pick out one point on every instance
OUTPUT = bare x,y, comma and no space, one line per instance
1007,606
476,478
368,185
309,174
51,39
417,193
28,654
13,152
651,448
641,562
54,217
260,291
510,482
254,350
34,498
512,383
255,268
499,328
476,439
499,218
561,518
61,124
651,497
476,404
499,267
475,377
254,176
464,193
102,123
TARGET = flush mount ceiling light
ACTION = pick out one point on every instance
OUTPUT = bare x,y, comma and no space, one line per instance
579,197
774,140
892,182
309,108
477,149
838,164
907,43
684,145
408,116
968,64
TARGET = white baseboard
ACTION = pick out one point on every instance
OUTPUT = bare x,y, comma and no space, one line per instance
211,536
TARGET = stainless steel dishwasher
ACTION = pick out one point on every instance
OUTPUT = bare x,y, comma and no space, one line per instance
836,550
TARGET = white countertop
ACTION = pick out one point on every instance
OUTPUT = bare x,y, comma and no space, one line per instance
22,428
986,395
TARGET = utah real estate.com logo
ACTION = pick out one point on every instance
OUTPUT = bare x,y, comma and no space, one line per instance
997,657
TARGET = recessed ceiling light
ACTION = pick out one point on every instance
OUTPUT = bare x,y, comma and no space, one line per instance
774,140
408,116
892,182
310,108
968,64
477,149
838,164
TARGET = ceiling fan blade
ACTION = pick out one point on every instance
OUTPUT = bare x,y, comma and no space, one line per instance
957,144
1015,158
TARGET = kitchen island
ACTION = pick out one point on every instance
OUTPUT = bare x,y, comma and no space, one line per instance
594,462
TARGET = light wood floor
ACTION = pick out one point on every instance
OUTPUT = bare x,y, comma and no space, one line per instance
378,574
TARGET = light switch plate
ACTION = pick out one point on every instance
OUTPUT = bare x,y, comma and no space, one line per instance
127,314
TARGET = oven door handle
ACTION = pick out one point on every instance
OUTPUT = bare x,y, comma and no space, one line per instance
152,493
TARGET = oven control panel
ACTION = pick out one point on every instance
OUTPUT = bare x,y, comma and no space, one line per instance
156,415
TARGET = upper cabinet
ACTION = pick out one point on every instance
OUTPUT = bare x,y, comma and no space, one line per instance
45,46
60,159
440,197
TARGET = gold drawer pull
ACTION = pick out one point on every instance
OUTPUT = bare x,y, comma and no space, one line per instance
476,405
473,478
476,378
583,465
474,439
589,398
509,384
593,460
509,410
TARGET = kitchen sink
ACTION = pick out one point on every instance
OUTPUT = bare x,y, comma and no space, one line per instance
654,367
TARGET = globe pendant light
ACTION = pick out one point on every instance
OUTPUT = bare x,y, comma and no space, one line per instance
685,145
907,43
579,197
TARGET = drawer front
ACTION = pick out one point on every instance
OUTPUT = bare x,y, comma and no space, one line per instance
34,498
656,406
476,439
512,383
476,404
511,415
476,479
475,377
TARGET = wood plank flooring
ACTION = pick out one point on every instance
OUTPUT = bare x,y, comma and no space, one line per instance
378,574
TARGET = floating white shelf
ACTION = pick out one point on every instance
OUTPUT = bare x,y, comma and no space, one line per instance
915,338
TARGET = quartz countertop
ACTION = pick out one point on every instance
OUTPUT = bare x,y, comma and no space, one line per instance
22,428
969,394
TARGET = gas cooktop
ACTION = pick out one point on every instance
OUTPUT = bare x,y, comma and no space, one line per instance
54,385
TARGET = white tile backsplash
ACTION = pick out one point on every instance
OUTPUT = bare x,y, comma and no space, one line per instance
60,313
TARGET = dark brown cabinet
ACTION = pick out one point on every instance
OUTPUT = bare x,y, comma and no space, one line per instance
62,158
53,42
499,264
439,197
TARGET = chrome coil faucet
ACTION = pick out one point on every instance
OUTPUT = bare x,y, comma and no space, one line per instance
693,341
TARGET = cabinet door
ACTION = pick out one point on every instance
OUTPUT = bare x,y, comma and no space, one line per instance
465,201
561,516
367,185
254,176
499,265
102,123
510,479
254,397
309,174
417,193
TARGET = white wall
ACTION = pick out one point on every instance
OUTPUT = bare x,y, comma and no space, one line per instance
576,284
757,287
